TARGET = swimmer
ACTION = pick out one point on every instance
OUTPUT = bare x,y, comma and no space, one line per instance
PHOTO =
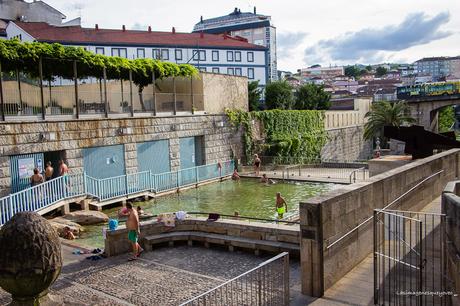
235,175
281,206
266,180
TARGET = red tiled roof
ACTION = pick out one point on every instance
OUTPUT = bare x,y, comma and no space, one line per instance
75,34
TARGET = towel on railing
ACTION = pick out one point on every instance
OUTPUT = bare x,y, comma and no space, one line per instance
181,215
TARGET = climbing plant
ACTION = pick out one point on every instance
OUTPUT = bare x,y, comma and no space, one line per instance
58,62
292,135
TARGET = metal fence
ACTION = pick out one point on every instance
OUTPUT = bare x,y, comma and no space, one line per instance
25,95
267,284
65,187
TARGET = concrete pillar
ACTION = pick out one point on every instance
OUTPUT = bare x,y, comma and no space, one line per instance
65,209
84,204
311,250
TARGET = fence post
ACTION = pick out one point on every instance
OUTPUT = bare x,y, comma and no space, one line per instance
42,98
376,276
11,207
197,174
174,96
178,177
75,78
106,104
85,183
126,185
259,287
286,279
131,93
154,94
191,93
19,89
2,103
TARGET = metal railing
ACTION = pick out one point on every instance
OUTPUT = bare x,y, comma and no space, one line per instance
383,209
65,187
266,284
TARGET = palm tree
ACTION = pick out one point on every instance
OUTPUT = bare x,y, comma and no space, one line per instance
385,113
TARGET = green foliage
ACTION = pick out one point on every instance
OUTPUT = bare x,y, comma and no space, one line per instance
381,71
278,95
385,113
352,71
311,96
58,62
369,68
294,134
446,119
254,94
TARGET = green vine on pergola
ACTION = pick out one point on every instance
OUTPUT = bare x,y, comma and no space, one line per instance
290,135
58,61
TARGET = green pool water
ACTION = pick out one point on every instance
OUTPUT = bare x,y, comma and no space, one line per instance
248,196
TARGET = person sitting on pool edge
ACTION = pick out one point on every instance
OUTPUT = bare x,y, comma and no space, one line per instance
235,175
281,206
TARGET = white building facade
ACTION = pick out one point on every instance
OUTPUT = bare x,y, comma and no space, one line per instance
257,29
208,52
438,67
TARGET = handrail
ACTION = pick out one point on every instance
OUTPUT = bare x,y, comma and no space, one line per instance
243,217
384,208
353,173
281,255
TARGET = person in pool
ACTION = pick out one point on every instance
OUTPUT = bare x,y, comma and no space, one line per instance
235,175
281,206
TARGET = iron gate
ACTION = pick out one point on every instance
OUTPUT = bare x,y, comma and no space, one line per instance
409,258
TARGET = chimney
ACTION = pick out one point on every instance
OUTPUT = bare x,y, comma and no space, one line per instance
174,30
201,34
201,19
150,29
123,28
255,11
97,27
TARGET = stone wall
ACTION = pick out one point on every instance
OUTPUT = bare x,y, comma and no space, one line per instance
73,136
346,144
326,218
224,91
451,207
117,241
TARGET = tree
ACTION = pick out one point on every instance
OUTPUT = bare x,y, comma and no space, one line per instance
380,71
278,95
352,71
254,94
446,119
385,113
310,96
369,68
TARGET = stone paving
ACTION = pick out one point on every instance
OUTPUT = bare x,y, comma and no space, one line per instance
166,276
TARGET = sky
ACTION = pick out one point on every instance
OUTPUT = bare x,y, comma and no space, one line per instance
328,32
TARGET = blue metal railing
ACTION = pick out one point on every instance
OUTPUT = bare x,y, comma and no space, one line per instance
65,187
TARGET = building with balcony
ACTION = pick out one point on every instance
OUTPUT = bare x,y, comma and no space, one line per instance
256,28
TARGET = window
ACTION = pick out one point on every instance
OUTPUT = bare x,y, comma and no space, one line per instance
238,71
259,42
202,69
215,56
237,56
230,71
121,52
140,53
99,50
230,56
199,55
251,73
178,54
165,54
250,56
156,53
215,70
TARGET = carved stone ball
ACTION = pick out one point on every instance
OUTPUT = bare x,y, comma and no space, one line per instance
30,256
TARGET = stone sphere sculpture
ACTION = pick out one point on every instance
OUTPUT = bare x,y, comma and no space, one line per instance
30,258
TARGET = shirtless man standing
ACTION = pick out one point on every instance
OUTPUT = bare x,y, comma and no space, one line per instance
132,224
281,206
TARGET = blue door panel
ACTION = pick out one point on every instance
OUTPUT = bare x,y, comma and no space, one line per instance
153,156
187,152
22,169
104,162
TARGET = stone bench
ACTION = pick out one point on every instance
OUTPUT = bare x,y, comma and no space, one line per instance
230,241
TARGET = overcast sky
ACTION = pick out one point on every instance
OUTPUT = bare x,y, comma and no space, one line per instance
328,32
